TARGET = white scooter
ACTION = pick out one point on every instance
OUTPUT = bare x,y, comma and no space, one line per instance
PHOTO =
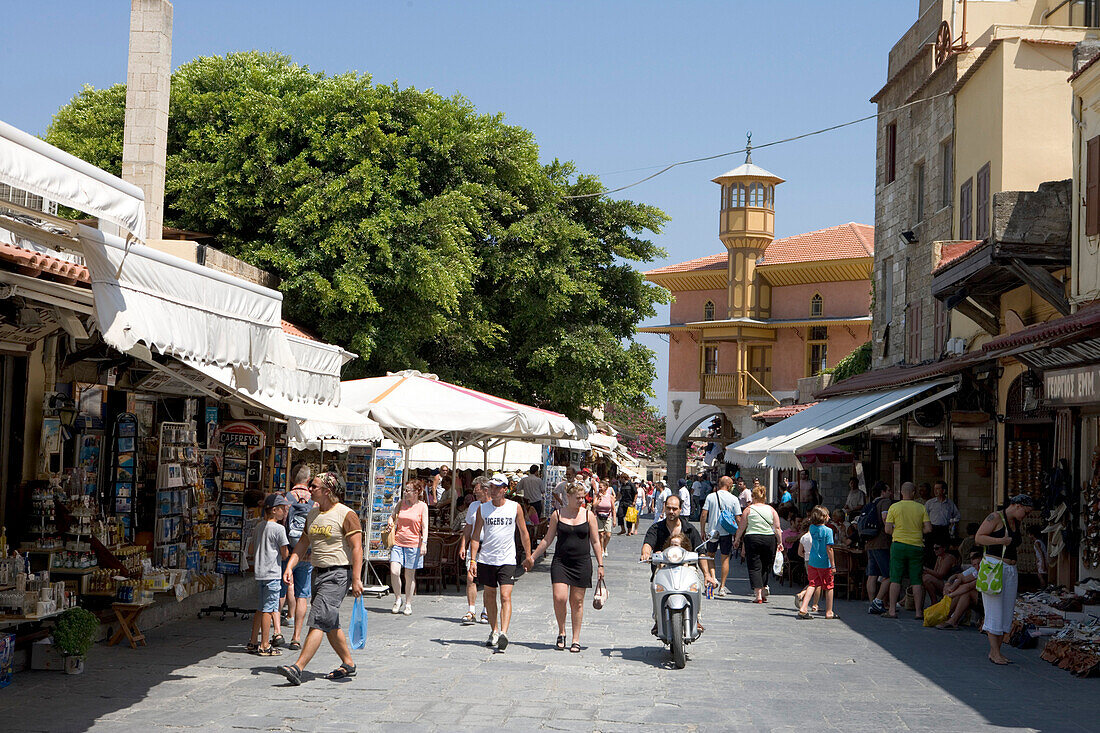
677,592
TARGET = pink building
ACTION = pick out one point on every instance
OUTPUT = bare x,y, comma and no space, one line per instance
746,325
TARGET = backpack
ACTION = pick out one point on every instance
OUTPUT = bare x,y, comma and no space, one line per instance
727,520
296,518
870,521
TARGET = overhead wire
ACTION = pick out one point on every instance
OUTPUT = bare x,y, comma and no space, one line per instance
785,140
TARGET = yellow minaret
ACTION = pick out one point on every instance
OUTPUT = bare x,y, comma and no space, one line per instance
746,227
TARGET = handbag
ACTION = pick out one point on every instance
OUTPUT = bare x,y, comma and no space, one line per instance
777,566
387,538
358,630
599,598
990,573
632,514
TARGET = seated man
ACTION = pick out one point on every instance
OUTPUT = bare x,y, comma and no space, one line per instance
933,578
963,592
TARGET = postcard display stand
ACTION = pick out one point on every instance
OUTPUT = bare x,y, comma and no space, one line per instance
231,535
178,480
123,476
384,493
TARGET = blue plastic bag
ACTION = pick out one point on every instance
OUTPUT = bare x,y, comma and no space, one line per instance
358,629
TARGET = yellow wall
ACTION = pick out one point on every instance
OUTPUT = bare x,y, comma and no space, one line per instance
1012,114
1085,285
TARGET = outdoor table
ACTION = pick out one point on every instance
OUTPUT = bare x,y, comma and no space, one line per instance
127,615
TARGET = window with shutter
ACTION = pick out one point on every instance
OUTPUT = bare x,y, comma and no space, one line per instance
982,208
940,329
912,333
891,152
1092,187
966,209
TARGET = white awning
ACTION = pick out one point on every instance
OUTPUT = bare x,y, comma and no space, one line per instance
39,168
181,308
833,419
307,422
316,378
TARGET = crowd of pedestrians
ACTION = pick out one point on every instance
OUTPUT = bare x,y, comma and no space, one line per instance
308,550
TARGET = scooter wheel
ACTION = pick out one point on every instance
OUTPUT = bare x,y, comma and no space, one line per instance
676,638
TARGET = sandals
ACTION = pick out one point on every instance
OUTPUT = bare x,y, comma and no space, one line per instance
277,640
252,647
560,643
834,617
268,652
469,618
575,648
295,646
292,673
804,616
344,670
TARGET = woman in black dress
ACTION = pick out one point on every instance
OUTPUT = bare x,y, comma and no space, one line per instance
575,528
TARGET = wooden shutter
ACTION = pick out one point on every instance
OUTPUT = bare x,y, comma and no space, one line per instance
1092,187
891,152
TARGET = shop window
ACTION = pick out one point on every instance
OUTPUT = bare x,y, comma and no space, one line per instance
891,152
912,333
710,360
982,208
708,311
817,306
817,350
966,209
1092,187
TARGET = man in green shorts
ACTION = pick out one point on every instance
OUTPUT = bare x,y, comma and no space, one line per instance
907,522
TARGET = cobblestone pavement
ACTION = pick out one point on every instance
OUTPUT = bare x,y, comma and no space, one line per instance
757,668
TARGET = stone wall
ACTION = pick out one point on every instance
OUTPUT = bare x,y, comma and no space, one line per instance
1034,217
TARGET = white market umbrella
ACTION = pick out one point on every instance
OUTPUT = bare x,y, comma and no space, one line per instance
411,407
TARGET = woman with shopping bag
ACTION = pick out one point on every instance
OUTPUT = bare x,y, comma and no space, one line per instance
575,529
1001,535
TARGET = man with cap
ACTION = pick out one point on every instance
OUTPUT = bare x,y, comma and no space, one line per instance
530,487
493,555
270,545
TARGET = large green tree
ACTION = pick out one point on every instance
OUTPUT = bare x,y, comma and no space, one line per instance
405,226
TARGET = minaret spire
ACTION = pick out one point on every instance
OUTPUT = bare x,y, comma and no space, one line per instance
748,148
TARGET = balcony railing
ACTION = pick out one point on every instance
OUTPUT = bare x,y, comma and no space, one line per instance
736,389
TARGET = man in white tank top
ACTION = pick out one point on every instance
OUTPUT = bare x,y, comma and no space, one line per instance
493,555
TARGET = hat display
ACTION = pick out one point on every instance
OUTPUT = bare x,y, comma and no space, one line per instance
1057,544
1057,512
1052,527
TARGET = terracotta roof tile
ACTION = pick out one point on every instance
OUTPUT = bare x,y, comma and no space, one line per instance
293,330
1085,319
781,413
710,262
952,251
38,263
847,241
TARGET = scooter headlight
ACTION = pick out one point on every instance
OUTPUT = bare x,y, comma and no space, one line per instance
675,555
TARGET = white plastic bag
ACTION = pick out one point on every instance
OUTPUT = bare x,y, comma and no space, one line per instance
777,566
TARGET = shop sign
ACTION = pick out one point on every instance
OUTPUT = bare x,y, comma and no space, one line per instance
1077,386
241,433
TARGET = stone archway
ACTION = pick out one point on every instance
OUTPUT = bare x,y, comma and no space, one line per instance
677,432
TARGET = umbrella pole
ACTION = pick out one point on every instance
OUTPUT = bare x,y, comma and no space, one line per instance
454,478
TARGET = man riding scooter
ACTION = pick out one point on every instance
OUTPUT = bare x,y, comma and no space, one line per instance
660,532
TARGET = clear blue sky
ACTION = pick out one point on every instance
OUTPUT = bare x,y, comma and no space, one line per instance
614,86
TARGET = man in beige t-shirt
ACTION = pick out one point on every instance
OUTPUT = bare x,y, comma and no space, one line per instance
333,537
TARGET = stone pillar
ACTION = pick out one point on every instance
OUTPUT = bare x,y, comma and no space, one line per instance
148,85
676,463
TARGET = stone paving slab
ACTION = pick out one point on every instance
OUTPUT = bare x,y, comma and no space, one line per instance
755,668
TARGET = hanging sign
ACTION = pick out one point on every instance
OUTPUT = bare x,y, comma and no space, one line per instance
1077,386
241,433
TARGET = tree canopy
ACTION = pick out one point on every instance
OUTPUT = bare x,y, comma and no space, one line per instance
404,226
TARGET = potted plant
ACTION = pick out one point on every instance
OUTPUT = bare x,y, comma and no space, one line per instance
74,634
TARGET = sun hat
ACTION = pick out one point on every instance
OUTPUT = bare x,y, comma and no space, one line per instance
498,479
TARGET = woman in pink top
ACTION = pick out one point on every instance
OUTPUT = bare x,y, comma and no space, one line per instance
409,523
603,506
